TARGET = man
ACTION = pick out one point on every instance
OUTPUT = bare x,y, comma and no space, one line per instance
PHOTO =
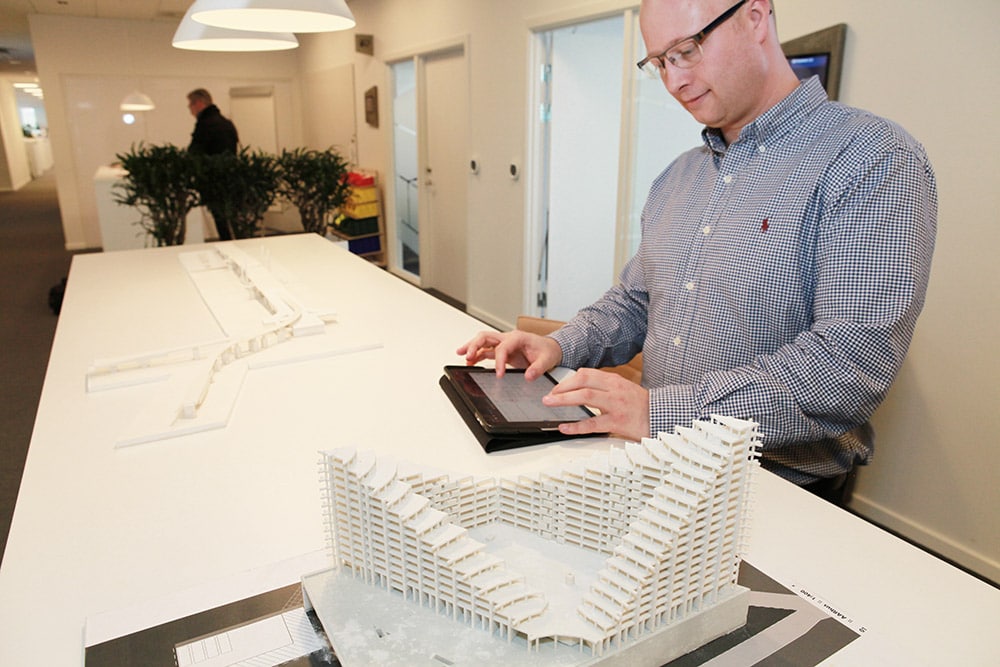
213,134
782,264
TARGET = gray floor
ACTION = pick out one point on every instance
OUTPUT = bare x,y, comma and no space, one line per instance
32,259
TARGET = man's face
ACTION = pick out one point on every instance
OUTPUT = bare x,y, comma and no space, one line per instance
718,90
195,107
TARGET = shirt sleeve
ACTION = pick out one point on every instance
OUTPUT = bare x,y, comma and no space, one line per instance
611,331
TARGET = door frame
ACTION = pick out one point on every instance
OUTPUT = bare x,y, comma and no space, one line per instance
419,54
536,188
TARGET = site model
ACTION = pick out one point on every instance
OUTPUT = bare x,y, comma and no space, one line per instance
666,520
266,318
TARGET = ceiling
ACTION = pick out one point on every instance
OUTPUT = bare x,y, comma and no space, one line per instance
17,58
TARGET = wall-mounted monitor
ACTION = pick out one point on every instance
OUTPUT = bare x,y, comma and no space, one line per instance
820,53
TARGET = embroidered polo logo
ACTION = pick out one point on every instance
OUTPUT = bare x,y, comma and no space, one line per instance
763,225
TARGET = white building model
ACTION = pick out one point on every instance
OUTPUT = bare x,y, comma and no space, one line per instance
670,515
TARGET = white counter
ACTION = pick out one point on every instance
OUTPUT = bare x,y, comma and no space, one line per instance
118,223
39,150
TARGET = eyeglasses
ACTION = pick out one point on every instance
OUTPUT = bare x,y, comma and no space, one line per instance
687,52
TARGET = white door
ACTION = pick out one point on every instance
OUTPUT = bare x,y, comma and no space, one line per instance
443,172
251,108
583,162
603,133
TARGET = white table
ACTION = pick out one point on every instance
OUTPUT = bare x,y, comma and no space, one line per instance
193,522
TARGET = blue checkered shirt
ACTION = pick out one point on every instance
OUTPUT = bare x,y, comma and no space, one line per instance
778,279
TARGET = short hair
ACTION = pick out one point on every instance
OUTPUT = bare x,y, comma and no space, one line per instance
201,95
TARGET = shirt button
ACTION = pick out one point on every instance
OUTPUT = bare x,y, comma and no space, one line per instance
762,149
677,341
689,286
707,230
728,178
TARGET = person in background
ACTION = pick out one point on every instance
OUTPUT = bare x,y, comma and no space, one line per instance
213,134
782,266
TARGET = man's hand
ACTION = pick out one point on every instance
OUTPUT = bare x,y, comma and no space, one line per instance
624,405
536,354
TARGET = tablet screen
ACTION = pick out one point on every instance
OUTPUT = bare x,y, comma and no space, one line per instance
521,401
510,404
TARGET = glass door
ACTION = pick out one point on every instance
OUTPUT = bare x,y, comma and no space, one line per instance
405,182
602,132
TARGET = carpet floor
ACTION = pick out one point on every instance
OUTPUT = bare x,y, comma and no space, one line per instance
33,259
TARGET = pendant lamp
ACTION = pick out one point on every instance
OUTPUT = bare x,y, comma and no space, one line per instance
136,101
274,15
195,36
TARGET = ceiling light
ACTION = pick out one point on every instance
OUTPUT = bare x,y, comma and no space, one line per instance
274,15
136,101
196,36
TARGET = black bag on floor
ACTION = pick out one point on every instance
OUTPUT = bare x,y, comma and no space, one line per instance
56,296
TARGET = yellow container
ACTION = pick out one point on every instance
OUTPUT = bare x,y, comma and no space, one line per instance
363,195
369,210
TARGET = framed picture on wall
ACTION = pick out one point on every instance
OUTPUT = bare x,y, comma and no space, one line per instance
371,106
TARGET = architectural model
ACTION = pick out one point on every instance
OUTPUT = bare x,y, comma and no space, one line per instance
665,519
282,318
257,310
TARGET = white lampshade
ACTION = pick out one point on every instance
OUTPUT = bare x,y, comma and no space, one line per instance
196,36
274,15
136,101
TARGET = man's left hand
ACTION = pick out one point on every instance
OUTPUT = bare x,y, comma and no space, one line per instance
624,405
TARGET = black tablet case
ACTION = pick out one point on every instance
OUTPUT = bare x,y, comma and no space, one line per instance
492,442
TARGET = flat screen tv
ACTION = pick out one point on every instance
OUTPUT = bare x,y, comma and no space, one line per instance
817,64
820,53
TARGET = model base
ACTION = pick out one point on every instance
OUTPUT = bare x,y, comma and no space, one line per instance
370,625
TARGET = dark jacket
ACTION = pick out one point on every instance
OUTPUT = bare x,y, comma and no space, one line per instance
213,133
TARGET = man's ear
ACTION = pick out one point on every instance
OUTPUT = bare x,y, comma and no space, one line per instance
759,12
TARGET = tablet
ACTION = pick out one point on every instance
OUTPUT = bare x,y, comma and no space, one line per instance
510,404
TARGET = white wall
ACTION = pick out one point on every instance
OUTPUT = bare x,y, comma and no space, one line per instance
935,472
86,66
934,476
498,60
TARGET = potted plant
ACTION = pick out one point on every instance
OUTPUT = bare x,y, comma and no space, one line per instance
238,189
160,183
315,182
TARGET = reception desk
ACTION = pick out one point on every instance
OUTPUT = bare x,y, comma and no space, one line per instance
39,150
176,525
119,224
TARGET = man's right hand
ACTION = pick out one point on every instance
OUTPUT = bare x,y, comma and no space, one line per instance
536,354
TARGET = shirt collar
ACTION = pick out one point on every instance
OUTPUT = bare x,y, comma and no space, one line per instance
777,120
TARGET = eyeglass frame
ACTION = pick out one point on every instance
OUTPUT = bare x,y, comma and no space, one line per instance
697,38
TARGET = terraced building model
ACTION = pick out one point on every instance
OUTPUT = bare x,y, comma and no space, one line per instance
665,521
